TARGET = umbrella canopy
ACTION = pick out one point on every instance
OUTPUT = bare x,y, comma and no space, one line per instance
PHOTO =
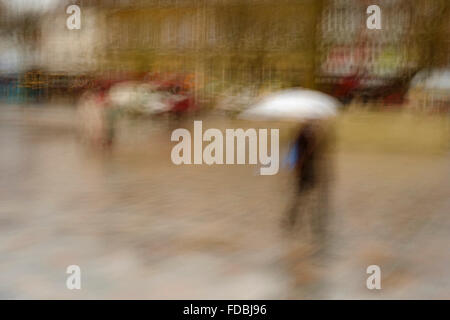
438,79
293,105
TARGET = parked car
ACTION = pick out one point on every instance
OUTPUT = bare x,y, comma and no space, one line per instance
100,108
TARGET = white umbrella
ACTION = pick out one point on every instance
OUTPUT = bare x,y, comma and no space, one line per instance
293,104
438,79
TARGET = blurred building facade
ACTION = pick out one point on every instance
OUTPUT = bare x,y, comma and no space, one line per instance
413,36
346,43
68,57
221,43
224,43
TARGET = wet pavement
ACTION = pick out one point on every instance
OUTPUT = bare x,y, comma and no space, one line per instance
140,227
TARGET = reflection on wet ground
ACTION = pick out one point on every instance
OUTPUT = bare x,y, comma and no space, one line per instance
141,227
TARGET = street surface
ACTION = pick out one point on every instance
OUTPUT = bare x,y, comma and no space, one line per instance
140,227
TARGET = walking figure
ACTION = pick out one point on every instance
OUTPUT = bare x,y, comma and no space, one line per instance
308,155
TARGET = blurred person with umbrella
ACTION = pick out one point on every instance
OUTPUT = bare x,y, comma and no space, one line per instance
307,159
312,110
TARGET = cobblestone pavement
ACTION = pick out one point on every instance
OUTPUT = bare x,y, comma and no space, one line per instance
141,227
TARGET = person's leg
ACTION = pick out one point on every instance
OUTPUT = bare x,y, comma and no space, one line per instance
320,219
292,213
110,130
298,208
